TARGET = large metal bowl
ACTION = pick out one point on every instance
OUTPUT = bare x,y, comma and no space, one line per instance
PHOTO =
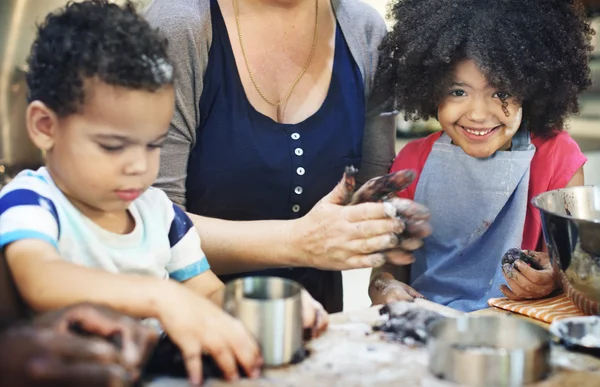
571,227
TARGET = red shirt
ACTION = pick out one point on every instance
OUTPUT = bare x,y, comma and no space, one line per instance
554,163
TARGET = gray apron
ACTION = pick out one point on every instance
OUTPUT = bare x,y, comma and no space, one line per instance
478,211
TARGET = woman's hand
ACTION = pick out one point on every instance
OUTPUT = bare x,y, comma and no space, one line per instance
38,357
314,316
385,289
129,337
523,282
333,236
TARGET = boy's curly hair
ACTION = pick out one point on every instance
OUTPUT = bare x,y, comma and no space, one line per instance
536,50
94,39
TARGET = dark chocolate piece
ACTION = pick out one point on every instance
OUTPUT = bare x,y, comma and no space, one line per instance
513,254
409,327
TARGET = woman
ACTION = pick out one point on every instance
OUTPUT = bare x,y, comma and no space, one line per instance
274,99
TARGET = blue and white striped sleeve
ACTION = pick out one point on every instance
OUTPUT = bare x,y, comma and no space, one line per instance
187,258
28,212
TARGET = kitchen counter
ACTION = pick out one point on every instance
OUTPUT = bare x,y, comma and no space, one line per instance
349,355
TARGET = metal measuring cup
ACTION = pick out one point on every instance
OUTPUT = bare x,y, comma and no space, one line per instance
271,309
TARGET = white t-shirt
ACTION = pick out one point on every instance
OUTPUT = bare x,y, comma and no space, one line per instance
163,244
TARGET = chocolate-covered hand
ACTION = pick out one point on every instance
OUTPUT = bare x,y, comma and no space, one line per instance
529,275
414,216
42,357
378,188
385,290
129,337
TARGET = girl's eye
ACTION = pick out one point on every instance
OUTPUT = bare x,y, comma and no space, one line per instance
110,148
501,95
458,93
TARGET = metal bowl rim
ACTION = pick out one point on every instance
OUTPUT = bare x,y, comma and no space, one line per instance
296,286
542,335
536,198
554,329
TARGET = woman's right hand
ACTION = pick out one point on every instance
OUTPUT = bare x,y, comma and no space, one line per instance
197,326
333,236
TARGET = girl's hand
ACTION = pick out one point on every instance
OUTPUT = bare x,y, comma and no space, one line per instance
384,289
523,282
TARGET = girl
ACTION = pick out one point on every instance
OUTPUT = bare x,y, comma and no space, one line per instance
501,77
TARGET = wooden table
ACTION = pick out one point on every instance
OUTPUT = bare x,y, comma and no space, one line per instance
349,355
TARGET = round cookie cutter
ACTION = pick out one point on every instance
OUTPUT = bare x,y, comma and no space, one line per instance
490,351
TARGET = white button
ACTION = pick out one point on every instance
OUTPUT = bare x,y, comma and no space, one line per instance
300,171
295,136
295,208
298,151
298,190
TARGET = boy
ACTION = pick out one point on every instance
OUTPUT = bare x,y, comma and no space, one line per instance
86,227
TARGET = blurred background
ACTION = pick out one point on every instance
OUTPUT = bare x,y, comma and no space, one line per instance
17,28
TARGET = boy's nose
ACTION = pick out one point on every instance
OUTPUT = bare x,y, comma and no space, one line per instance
137,164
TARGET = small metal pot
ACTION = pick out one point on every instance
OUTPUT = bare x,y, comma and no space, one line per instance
488,351
271,309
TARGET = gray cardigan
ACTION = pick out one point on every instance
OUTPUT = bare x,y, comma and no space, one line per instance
187,25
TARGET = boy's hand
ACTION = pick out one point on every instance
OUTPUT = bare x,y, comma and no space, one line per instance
524,282
314,315
133,340
196,326
42,357
385,289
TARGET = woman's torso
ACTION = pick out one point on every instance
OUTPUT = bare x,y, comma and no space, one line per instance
245,166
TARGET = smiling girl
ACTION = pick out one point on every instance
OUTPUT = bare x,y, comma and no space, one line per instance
501,77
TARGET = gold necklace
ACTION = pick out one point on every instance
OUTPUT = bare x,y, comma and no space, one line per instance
312,52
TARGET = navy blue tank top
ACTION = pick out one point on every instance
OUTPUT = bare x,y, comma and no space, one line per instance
245,166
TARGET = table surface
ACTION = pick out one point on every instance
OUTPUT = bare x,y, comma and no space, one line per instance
349,354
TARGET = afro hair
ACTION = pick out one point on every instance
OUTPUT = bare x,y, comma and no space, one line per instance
537,50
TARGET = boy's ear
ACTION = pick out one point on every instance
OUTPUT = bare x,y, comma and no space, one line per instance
42,124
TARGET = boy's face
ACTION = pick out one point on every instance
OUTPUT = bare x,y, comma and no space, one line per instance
107,155
472,114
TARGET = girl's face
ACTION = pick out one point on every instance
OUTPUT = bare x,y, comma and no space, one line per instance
472,113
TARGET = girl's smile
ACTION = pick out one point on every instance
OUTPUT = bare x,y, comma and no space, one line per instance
478,117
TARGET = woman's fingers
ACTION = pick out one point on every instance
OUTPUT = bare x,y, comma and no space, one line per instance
57,372
373,244
372,228
380,188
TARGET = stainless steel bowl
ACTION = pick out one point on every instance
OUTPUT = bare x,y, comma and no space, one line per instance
571,227
579,333
490,351
271,309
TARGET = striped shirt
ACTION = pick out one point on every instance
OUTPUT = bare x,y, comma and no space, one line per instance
163,243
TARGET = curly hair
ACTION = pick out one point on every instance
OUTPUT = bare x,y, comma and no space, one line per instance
94,39
536,50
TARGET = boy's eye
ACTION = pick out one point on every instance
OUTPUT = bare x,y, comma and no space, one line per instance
458,93
155,146
112,148
501,95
